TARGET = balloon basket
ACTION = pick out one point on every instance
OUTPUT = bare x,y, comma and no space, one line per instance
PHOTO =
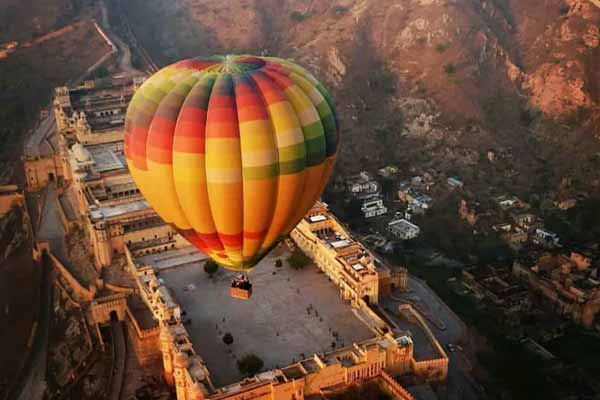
241,288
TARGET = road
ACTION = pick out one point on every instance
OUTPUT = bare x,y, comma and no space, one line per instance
448,328
36,144
126,43
51,227
124,59
120,356
33,386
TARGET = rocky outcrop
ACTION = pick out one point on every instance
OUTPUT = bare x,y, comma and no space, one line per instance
12,233
466,57
336,68
558,89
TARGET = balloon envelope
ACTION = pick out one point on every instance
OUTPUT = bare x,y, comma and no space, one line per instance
232,151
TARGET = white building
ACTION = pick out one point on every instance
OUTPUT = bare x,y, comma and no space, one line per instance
454,182
373,208
404,229
546,238
507,202
422,201
362,183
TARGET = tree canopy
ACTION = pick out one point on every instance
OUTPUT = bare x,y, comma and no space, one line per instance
211,267
250,364
298,259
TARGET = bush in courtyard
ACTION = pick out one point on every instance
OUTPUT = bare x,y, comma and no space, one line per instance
250,364
298,259
210,267
228,338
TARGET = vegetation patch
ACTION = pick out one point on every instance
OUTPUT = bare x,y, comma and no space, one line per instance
298,16
442,47
250,364
298,260
211,267
450,69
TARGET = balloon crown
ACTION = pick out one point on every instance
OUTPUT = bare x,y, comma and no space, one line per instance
235,64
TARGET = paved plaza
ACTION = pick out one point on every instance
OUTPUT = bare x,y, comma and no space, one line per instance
273,324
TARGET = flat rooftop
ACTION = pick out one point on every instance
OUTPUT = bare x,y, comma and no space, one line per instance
119,209
172,258
273,324
106,159
141,312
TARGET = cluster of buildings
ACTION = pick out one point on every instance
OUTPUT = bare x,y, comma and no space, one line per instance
499,286
569,281
99,196
412,193
512,219
565,284
366,190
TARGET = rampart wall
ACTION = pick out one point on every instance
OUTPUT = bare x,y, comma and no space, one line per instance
80,292
392,386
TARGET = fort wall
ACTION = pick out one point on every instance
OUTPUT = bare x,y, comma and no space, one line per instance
10,197
391,385
146,342
80,292
102,308
39,171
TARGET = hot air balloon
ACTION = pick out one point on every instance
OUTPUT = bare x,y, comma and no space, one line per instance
232,151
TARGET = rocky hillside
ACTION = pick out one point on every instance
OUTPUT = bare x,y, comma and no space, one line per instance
413,73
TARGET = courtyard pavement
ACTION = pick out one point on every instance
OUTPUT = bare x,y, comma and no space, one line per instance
273,324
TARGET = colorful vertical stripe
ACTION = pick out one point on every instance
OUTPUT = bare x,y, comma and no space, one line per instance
232,151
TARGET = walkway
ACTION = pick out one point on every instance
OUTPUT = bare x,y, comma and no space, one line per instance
36,145
51,227
33,386
120,356
124,58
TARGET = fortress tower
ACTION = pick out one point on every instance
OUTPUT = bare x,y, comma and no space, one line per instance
101,242
180,364
165,348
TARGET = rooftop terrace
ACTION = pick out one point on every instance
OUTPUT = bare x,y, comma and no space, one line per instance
119,209
107,159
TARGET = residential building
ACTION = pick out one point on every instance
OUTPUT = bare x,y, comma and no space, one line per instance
404,229
524,221
388,171
566,204
373,207
362,184
455,183
569,282
545,238
499,286
510,202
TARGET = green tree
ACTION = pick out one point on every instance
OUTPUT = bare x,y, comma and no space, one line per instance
102,72
250,364
298,16
228,339
210,267
450,69
298,259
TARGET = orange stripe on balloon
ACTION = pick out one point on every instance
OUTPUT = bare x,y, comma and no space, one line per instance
252,113
255,235
231,241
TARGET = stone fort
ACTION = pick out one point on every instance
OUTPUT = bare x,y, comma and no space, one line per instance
99,197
